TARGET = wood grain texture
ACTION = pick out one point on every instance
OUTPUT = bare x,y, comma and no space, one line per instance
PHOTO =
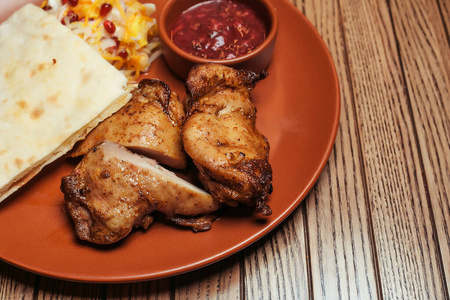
407,252
425,56
48,288
219,281
342,264
339,237
444,8
276,267
157,289
15,283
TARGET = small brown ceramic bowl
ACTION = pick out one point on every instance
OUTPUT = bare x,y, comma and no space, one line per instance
180,62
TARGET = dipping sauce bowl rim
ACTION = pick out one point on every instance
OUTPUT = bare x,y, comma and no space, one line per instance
165,37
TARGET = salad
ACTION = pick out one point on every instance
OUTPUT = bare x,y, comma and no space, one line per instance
122,31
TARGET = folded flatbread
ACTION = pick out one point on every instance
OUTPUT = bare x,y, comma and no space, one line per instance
54,88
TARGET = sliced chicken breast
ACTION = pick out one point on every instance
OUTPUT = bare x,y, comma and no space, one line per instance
113,190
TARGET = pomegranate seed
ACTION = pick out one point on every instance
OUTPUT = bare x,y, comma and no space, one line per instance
116,39
47,7
123,53
109,26
73,3
63,2
73,17
105,9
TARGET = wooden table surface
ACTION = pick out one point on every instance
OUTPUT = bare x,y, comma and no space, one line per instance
377,223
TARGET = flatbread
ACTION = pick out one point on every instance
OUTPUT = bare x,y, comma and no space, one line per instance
54,88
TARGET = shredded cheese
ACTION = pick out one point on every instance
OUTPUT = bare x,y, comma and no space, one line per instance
134,43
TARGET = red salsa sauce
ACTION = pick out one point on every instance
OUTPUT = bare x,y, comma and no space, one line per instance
218,29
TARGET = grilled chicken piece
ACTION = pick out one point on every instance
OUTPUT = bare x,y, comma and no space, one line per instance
149,124
220,136
201,223
113,190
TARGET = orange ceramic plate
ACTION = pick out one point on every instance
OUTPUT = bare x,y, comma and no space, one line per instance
298,110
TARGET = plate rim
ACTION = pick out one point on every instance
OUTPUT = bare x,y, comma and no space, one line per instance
244,243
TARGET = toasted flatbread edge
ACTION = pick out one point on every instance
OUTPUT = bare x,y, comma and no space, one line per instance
22,178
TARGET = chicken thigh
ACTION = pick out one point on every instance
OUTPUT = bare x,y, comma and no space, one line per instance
220,136
150,123
113,190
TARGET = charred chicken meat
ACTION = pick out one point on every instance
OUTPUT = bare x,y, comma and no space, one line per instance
113,190
150,123
220,136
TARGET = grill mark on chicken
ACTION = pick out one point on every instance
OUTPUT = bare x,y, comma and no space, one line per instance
220,136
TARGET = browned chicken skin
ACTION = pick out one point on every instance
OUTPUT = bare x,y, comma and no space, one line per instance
113,190
150,123
220,136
